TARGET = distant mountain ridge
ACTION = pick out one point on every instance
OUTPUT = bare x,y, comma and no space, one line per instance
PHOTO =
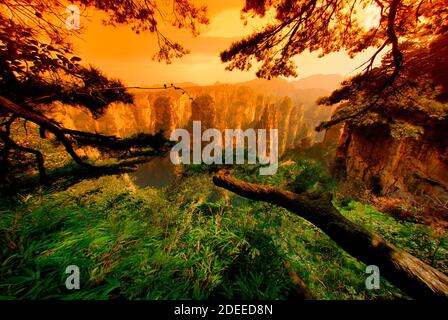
328,82
282,87
306,90
278,86
177,84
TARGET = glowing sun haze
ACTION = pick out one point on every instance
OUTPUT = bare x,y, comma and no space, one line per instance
120,53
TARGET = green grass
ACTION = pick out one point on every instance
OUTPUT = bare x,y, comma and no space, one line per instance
189,241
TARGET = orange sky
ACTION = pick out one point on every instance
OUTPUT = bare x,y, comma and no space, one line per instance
122,54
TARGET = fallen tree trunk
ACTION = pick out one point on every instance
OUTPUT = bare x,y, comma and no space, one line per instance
407,272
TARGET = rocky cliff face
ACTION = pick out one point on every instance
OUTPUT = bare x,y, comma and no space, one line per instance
218,106
411,169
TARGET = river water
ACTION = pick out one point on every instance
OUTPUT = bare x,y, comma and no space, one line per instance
157,173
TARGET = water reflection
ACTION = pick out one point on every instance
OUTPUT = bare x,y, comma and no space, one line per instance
157,173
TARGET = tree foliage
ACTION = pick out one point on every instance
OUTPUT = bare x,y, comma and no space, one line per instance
38,65
417,98
329,26
409,35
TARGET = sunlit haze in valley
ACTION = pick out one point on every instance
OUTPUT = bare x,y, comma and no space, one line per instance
120,53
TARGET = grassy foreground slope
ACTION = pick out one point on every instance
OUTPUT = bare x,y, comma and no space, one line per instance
190,240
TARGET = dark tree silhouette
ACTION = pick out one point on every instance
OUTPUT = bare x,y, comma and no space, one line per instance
410,34
331,26
420,90
38,67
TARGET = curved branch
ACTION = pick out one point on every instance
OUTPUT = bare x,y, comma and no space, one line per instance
39,156
48,124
